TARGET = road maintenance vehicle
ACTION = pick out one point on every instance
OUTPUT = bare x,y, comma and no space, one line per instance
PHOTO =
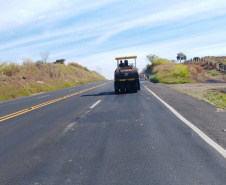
126,75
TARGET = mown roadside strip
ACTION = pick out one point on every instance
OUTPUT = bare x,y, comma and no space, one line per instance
3,118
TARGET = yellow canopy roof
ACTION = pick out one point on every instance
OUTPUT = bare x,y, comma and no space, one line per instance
128,57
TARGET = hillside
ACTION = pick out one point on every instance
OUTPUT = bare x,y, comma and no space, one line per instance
199,74
167,72
199,79
30,78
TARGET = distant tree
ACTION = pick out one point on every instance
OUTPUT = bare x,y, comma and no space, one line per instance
60,61
151,57
44,56
39,62
181,56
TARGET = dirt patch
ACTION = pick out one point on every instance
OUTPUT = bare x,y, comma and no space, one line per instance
200,86
198,74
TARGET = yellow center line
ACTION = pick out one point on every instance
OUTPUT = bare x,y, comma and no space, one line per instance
3,118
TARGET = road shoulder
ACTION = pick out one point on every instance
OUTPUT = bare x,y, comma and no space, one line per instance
203,115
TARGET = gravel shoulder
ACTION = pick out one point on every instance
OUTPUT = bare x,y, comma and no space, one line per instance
199,86
213,93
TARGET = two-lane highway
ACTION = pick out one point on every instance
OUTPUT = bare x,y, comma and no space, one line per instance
97,137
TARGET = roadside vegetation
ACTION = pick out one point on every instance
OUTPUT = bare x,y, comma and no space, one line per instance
166,72
215,97
31,78
170,73
213,72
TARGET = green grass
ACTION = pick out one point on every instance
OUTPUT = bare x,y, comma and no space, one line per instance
159,61
170,73
211,96
213,73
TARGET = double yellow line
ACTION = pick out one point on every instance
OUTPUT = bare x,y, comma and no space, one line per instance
3,118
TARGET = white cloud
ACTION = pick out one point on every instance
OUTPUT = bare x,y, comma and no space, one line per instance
16,14
183,10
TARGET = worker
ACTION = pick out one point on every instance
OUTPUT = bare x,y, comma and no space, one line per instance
126,63
121,64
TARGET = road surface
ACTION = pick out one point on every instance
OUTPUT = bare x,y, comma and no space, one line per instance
89,135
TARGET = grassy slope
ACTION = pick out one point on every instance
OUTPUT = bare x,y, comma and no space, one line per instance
30,78
170,73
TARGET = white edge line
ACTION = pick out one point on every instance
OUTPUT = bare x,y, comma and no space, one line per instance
43,96
95,104
217,147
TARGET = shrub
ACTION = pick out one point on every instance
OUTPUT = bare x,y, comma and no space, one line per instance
2,68
60,61
11,69
154,79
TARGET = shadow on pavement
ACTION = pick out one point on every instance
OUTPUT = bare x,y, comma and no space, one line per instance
213,81
100,94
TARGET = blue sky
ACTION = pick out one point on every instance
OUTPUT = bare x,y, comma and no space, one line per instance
93,33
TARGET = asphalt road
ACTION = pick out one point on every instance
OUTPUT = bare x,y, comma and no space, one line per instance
97,137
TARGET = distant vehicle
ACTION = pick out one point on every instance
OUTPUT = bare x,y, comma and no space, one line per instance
126,75
142,76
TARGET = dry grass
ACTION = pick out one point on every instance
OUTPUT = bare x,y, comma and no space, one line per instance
213,93
31,78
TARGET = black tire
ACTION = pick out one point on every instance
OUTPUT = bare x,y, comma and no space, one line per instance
138,84
128,88
135,88
116,89
122,89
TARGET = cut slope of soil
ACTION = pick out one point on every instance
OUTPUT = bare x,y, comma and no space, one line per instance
199,75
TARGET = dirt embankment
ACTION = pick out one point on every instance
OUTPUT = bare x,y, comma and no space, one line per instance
199,75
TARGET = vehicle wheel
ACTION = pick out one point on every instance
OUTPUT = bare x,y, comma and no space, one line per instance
138,85
122,89
128,88
135,87
116,90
